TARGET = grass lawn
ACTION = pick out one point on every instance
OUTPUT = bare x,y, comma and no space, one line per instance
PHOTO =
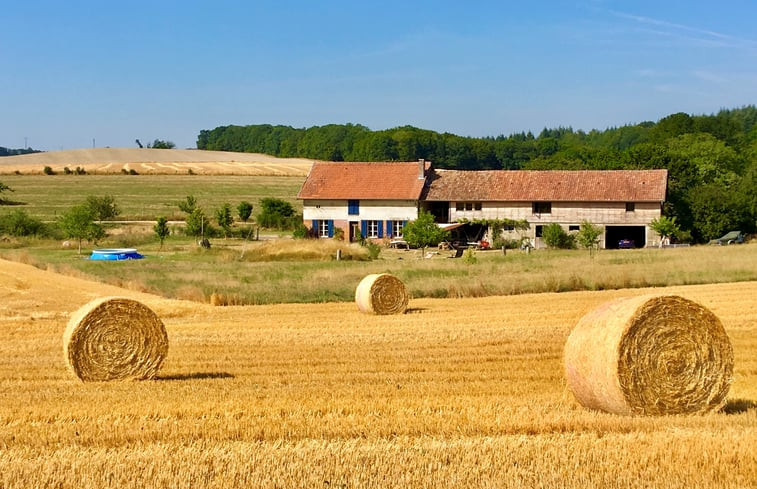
245,272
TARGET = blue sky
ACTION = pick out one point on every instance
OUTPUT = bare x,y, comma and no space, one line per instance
112,72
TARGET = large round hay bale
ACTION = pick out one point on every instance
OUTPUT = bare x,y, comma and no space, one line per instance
114,338
651,355
381,293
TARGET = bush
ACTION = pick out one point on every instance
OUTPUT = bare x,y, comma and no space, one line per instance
555,237
374,250
48,171
19,223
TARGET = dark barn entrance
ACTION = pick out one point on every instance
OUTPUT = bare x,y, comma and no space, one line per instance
615,234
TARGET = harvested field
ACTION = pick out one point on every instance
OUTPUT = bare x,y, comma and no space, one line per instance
148,161
455,393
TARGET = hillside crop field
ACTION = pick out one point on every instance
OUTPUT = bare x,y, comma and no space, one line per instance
141,197
455,393
149,161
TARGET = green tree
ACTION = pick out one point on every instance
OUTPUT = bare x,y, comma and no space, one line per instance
79,223
161,144
554,236
4,188
276,213
424,232
225,219
161,230
665,226
188,205
197,223
104,207
588,236
244,211
717,210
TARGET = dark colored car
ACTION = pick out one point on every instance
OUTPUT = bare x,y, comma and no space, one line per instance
625,244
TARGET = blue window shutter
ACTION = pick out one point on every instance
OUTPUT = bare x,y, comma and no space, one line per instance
315,228
364,228
389,229
331,228
381,229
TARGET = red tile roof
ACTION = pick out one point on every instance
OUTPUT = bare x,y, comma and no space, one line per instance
366,181
552,185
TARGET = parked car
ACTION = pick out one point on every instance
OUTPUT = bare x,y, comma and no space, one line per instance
734,237
625,244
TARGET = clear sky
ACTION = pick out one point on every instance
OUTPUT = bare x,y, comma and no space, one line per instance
78,72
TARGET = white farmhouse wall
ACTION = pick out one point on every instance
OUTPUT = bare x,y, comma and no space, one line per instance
380,210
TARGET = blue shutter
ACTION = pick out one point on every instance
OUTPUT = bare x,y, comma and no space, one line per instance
389,229
404,223
316,232
331,228
364,228
381,229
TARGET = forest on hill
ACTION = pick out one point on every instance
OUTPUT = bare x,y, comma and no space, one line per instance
711,159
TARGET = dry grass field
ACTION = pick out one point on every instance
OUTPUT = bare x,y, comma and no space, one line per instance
456,393
148,161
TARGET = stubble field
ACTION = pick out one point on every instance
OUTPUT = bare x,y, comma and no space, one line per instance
456,393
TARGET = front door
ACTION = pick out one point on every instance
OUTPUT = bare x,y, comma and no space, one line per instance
354,230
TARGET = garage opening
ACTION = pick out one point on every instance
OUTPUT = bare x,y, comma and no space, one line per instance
625,237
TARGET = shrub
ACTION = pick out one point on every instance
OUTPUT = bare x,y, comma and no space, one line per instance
19,223
555,237
48,171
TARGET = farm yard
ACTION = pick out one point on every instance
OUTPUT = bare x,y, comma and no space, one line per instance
289,385
455,393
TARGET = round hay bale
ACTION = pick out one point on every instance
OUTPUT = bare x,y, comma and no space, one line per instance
650,355
381,293
114,338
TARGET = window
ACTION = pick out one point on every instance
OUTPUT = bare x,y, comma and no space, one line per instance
353,207
541,207
574,227
323,228
372,229
468,206
538,231
397,228
630,206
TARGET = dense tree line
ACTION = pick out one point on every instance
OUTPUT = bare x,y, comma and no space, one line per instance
711,159
13,152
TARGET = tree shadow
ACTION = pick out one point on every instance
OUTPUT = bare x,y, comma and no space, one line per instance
738,406
196,376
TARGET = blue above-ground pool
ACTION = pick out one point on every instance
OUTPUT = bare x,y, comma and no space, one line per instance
114,254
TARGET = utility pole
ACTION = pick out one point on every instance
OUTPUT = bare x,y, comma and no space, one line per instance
26,146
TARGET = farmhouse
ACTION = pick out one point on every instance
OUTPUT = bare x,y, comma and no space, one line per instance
377,199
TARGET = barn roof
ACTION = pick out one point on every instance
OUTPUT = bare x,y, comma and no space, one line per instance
551,185
366,181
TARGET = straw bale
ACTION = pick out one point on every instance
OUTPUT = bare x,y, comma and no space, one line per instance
115,338
649,355
381,293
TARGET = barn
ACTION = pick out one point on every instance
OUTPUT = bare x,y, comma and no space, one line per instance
375,200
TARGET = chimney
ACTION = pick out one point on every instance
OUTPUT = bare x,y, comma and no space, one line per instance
421,169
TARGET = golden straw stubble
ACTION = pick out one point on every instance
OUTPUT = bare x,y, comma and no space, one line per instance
115,338
381,293
649,355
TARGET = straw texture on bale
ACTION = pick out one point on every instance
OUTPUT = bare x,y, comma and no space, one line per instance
114,338
649,355
381,293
